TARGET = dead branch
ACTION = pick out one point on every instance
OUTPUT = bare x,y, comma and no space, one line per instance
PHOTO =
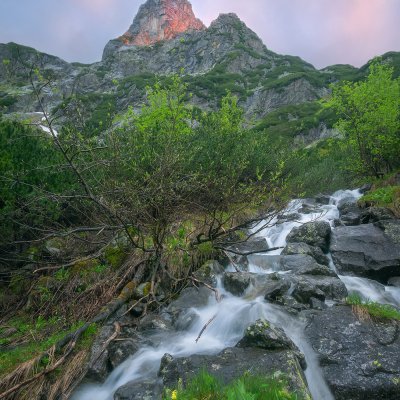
218,296
205,327
116,333
247,253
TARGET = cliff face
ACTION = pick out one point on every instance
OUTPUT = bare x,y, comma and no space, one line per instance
159,20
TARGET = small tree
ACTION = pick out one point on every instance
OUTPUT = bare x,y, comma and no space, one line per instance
370,119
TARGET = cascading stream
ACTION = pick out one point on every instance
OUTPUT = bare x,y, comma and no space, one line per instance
234,315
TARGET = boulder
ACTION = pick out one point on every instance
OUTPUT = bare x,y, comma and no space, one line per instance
391,229
264,335
233,363
366,251
304,248
120,351
238,282
313,233
99,366
302,264
209,272
139,391
323,199
257,245
359,359
376,214
275,290
395,281
319,287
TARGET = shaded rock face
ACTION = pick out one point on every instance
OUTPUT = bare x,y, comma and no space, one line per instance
159,20
359,359
367,251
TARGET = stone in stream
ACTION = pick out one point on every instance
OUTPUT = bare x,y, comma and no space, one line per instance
360,359
366,251
302,264
264,335
119,351
323,199
395,281
256,245
233,363
238,282
304,248
275,290
139,391
313,233
319,287
209,271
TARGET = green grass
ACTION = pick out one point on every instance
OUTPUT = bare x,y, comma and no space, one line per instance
382,197
207,387
33,338
380,311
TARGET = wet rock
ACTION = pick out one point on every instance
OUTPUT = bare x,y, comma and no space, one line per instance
276,289
317,304
232,363
156,322
302,264
351,219
237,282
292,305
319,287
119,351
313,233
209,272
395,281
365,188
306,290
139,391
99,365
391,229
264,335
323,199
365,251
258,245
304,248
359,359
288,217
346,202
376,214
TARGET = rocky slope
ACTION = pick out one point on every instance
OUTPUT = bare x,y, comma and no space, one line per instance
166,38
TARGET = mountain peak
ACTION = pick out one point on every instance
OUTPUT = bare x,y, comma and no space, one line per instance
159,20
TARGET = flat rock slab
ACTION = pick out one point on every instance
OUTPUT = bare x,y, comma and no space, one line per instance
232,363
359,359
366,250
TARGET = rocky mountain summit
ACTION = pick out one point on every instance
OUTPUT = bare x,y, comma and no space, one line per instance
158,20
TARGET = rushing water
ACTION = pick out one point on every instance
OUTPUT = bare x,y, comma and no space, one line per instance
234,315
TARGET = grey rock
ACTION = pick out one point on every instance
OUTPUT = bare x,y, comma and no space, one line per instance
323,199
319,287
264,335
209,272
359,359
313,233
156,322
391,229
99,366
258,245
376,214
317,304
140,391
304,248
303,264
365,251
119,351
232,363
275,290
238,282
395,281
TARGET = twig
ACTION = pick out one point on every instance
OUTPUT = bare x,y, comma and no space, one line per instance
116,333
218,297
248,253
205,327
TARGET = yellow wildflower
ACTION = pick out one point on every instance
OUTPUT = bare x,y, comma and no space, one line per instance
174,395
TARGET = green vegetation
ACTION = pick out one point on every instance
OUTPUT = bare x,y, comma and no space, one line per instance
205,386
382,197
370,119
373,309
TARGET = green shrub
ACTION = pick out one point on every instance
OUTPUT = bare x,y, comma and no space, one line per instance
382,197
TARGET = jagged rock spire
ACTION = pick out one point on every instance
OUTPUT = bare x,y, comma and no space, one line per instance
161,20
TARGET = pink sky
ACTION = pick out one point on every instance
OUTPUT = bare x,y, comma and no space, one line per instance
322,32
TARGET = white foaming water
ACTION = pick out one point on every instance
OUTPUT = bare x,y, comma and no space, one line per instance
234,315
